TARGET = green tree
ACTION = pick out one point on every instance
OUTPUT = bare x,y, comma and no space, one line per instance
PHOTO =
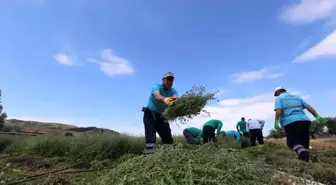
331,125
277,134
316,129
3,118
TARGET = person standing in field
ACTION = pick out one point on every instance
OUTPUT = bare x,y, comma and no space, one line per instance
255,127
241,127
209,130
161,96
289,112
193,135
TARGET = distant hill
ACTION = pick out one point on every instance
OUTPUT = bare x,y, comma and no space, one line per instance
28,123
50,128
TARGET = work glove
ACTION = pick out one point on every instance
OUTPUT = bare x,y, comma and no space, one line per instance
174,97
276,125
168,100
320,119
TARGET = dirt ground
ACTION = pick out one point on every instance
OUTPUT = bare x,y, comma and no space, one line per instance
320,143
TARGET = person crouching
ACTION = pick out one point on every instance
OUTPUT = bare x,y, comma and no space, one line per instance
193,135
209,130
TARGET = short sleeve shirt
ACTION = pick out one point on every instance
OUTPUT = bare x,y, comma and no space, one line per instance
233,133
293,108
157,106
242,125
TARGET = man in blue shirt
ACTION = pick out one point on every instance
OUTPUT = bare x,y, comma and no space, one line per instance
290,113
233,133
161,96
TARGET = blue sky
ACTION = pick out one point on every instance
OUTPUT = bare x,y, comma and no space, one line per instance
93,62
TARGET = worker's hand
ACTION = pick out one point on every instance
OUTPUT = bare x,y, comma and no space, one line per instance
276,125
320,119
168,100
174,97
198,140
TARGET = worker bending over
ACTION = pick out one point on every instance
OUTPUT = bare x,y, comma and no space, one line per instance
233,133
193,135
209,130
289,111
160,97
255,127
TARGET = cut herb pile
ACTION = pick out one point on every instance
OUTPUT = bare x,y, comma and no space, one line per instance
205,165
189,105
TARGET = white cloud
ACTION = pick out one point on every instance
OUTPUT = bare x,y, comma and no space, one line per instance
112,64
65,59
307,11
265,73
230,111
326,48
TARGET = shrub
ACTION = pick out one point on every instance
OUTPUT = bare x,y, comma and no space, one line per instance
90,147
331,124
276,134
5,142
68,134
316,129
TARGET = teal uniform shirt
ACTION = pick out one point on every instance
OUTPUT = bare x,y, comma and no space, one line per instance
157,106
197,133
233,133
216,124
293,108
242,126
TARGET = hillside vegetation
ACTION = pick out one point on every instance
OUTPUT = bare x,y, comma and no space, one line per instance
53,129
117,160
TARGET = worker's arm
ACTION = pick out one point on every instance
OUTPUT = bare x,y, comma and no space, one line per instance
198,140
312,111
175,95
278,108
219,128
278,113
156,93
309,108
262,124
237,126
158,96
238,136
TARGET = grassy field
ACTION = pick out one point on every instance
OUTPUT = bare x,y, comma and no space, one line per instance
117,160
331,141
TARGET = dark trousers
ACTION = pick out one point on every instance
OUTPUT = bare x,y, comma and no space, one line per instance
154,122
208,134
298,138
189,137
256,134
246,134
